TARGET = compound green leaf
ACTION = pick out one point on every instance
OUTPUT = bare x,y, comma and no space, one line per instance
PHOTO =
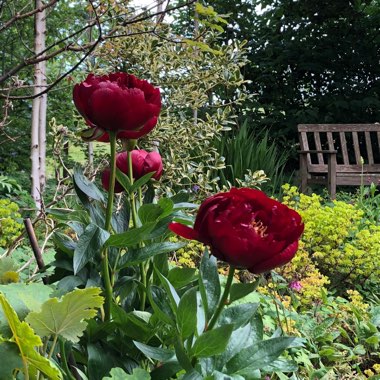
66,317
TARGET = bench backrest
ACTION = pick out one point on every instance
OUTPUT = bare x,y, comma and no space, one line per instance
353,143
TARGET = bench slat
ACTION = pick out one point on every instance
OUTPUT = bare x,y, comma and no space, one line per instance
318,146
343,143
356,147
369,147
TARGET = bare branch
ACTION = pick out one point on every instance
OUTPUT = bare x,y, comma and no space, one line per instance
19,16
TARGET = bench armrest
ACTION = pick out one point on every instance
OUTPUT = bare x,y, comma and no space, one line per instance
317,151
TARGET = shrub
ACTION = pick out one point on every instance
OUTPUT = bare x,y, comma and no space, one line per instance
9,224
343,247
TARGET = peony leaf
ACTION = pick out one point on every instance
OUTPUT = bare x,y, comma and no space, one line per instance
89,244
209,284
26,340
66,317
212,342
85,186
186,314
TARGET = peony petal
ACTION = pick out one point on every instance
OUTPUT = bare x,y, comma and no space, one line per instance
277,260
184,231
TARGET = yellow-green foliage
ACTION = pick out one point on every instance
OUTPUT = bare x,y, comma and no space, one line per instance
303,270
9,226
343,247
188,256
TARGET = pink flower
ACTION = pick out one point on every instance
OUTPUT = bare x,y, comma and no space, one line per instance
296,286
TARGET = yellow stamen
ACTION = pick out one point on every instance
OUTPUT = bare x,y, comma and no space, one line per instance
259,228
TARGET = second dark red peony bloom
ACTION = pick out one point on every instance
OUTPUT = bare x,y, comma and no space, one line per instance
246,229
118,102
142,163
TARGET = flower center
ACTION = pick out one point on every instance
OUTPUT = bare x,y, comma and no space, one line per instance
259,228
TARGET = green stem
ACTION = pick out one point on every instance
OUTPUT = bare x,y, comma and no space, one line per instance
107,227
132,195
64,360
182,356
223,300
134,219
52,348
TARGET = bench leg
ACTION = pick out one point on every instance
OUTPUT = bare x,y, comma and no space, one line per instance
303,172
331,175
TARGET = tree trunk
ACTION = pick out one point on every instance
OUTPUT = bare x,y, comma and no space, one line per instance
38,132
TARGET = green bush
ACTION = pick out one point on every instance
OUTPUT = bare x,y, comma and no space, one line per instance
344,246
10,227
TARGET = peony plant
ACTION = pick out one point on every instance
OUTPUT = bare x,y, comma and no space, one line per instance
157,321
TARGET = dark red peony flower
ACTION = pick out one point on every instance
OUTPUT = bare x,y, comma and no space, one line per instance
118,102
142,163
247,229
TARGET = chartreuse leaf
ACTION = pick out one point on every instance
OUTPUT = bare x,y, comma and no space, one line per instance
10,360
260,355
89,245
27,340
119,374
187,312
212,342
25,297
65,317
209,284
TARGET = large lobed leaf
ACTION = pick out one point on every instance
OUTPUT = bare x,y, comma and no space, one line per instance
66,317
27,340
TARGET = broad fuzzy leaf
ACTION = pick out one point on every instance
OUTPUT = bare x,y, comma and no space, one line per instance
66,317
11,360
26,340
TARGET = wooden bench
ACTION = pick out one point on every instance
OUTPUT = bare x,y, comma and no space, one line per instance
339,154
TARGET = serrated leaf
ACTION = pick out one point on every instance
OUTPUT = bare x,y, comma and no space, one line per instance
25,298
120,374
89,245
212,342
26,340
156,353
66,317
